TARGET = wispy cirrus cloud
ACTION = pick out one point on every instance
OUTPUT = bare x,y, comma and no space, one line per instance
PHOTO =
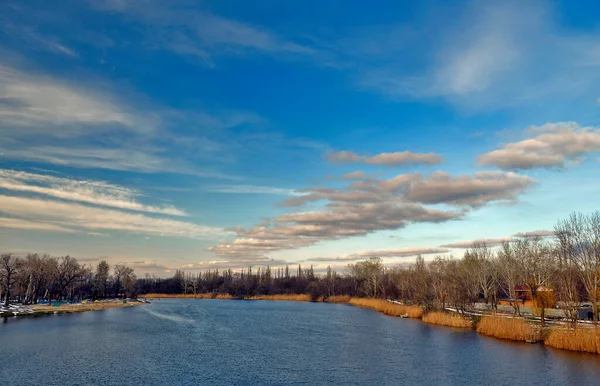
253,189
33,225
78,217
33,39
46,119
191,31
487,58
552,145
36,101
86,191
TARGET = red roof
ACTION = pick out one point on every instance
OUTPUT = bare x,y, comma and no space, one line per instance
522,288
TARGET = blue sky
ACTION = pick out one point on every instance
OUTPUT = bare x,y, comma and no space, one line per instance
216,134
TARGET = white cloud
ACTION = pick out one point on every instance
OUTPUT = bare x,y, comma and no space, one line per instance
437,188
372,205
387,159
482,188
554,146
90,192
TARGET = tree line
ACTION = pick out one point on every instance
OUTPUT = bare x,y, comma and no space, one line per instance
35,277
563,267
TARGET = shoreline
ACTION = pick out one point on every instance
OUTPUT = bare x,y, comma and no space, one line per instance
46,310
499,326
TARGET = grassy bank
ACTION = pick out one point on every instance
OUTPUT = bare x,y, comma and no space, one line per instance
40,309
582,339
446,319
508,328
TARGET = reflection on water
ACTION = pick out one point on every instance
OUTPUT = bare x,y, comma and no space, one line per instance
261,342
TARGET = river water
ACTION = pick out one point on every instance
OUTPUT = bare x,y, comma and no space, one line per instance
225,342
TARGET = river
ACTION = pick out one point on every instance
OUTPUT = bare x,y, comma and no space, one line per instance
225,342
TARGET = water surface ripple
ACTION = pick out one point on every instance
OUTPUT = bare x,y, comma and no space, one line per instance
224,342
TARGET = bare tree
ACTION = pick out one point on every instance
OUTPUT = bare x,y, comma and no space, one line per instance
509,268
68,271
581,234
101,279
568,272
9,266
537,271
124,279
438,270
479,258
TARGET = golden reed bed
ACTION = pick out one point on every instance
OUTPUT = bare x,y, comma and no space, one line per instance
446,319
508,328
388,308
582,339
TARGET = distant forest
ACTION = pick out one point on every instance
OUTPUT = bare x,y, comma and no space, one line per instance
563,268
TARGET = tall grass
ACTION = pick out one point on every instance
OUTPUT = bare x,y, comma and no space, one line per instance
337,299
224,296
298,298
583,339
388,308
446,319
508,328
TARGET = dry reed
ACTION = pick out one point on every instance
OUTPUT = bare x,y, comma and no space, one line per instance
388,308
446,319
583,339
337,299
508,328
295,297
224,296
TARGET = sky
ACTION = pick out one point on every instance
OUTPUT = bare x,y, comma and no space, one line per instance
202,135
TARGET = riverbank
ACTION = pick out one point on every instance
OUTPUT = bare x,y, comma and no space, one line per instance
585,338
64,308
